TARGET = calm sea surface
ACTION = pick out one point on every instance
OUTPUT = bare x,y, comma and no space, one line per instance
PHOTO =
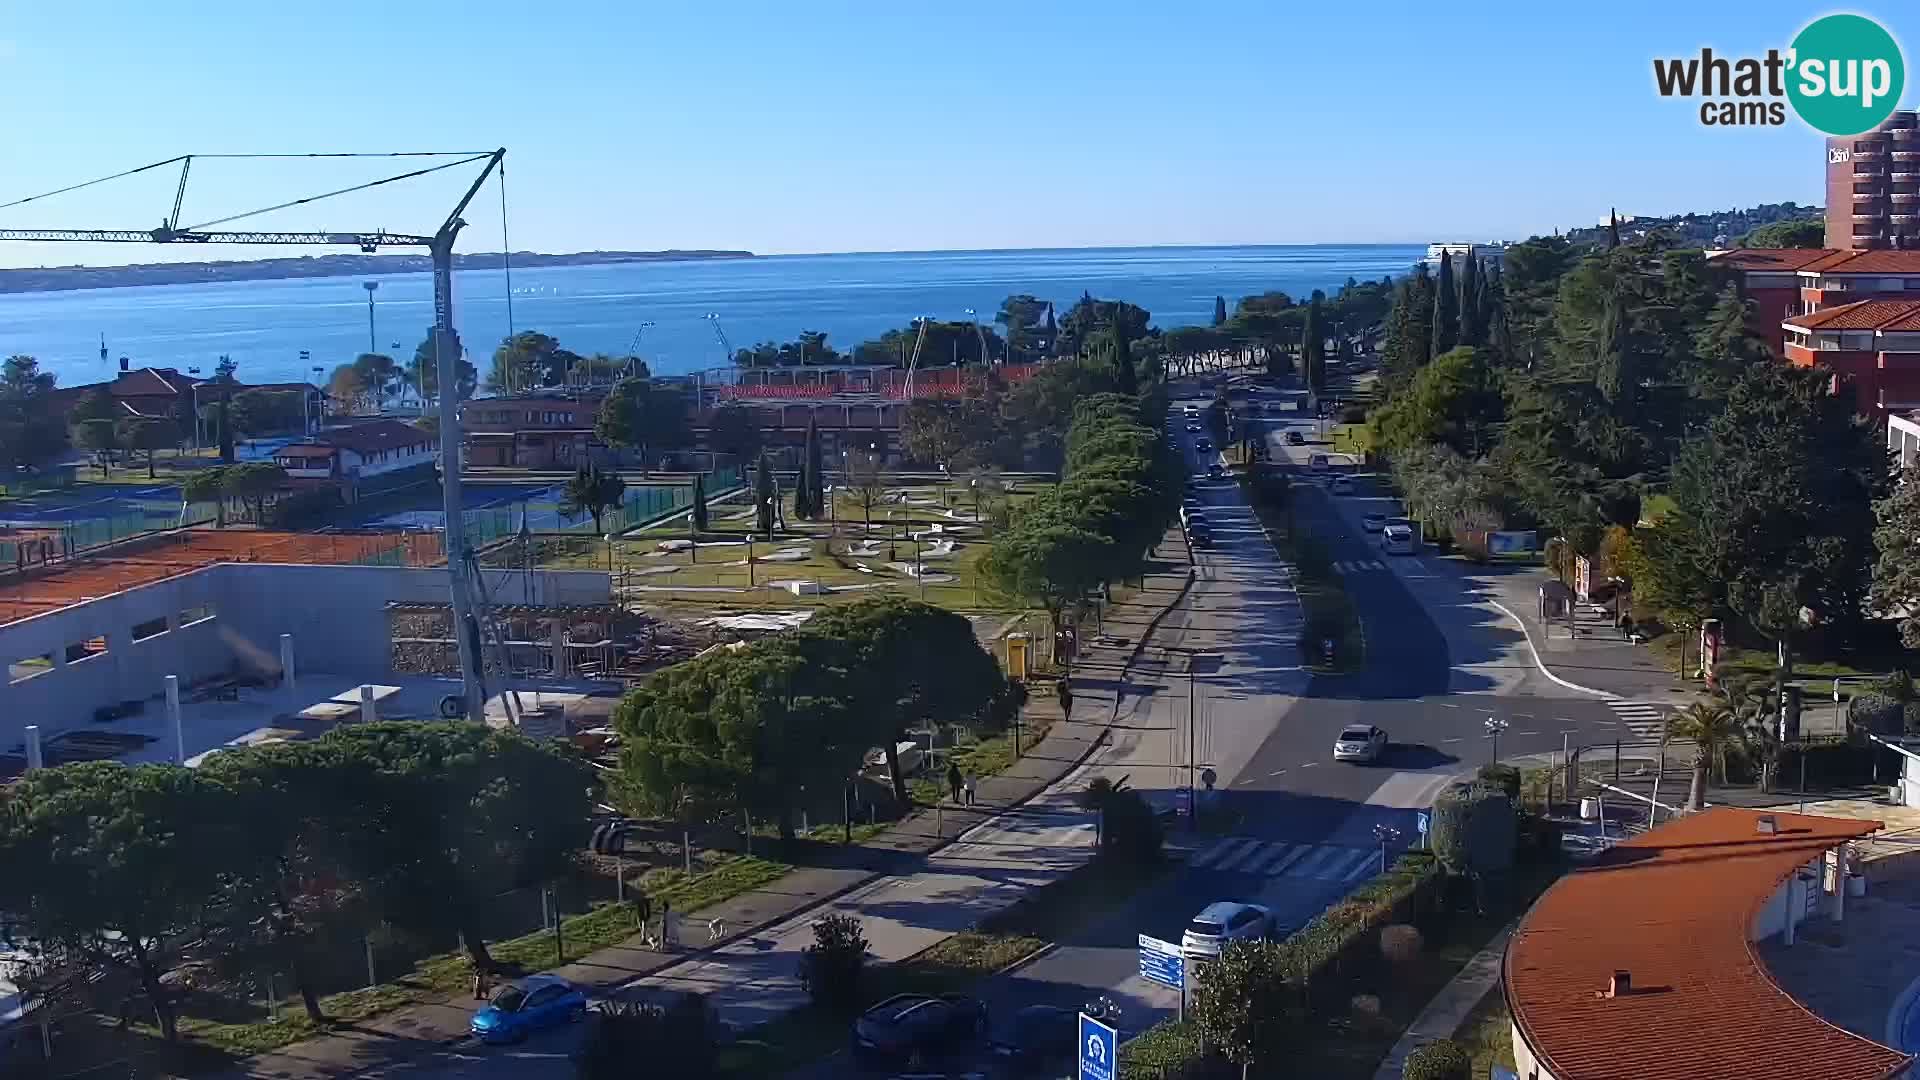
264,325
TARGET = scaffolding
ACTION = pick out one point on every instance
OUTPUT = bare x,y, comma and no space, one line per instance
537,642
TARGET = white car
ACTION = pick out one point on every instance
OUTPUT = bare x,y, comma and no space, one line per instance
1221,922
1360,742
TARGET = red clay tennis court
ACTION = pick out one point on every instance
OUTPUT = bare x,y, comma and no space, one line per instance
165,555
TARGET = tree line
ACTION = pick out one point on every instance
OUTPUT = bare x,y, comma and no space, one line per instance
282,858
1566,393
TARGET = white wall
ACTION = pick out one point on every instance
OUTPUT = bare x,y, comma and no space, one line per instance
1903,438
1524,1065
337,615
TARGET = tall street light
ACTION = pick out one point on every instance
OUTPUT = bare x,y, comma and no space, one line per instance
373,345
1495,726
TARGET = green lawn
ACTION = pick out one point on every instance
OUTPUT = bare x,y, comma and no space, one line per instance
985,757
1323,597
1763,661
1355,439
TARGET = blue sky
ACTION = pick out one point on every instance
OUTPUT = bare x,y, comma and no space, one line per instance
837,126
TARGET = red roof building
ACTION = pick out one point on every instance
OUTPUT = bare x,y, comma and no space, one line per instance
1642,966
1784,283
1876,343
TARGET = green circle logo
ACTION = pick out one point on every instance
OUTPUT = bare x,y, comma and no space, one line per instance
1847,74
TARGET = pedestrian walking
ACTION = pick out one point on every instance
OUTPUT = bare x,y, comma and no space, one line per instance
1065,695
953,780
972,788
669,927
642,910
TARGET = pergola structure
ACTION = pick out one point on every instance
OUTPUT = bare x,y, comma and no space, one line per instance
560,642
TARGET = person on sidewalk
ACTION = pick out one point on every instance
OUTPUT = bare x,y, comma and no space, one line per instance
953,780
643,911
1064,694
669,927
972,788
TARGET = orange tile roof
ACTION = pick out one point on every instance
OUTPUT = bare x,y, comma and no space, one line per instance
1673,908
1778,260
1869,262
1859,315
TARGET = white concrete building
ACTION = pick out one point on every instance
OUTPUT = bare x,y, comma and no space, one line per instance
349,456
1903,438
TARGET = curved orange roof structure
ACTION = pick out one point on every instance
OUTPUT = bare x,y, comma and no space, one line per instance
1675,908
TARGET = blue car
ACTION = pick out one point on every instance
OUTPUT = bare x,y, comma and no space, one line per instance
525,1006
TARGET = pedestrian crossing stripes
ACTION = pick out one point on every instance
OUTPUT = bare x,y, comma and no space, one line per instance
1358,566
1639,717
1283,858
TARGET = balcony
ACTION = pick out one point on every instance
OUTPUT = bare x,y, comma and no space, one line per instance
1905,175
1868,196
1869,213
1872,153
1907,132
1905,196
1906,155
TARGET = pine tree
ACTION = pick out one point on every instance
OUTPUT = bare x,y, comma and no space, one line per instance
1446,308
1219,310
1123,378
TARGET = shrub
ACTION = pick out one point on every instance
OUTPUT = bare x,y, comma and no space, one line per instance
1312,560
830,968
1503,778
1353,414
1474,830
1883,714
1400,943
1443,1060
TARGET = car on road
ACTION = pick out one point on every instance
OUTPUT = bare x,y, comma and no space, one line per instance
1201,536
913,1030
1221,922
1215,472
1193,425
1363,743
1373,522
1037,1041
1204,445
1294,438
1397,538
1340,486
1194,519
1317,462
527,1005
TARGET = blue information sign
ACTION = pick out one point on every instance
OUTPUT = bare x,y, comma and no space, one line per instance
1097,1050
1161,962
1420,822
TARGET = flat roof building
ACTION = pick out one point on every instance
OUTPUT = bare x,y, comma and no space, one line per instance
1873,186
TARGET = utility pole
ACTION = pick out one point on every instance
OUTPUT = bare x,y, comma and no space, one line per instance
372,342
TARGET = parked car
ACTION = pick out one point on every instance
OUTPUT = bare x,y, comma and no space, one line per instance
1221,922
1294,438
1373,522
1037,1040
1360,742
1202,537
911,1030
527,1005
1194,518
1317,462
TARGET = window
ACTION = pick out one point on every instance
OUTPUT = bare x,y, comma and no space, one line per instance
22,670
197,614
1862,339
86,650
152,628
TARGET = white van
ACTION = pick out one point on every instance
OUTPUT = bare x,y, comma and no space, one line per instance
1397,540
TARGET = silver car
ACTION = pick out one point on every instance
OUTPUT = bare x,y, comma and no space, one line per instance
1221,922
1362,743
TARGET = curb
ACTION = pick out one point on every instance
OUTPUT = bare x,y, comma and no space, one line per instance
1541,664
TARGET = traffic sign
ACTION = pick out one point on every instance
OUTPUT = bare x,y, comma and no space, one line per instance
1161,962
1420,822
1183,801
1097,1048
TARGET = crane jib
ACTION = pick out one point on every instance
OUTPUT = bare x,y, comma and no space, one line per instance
164,235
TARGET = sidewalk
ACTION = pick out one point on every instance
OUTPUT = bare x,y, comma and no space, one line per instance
1590,655
904,848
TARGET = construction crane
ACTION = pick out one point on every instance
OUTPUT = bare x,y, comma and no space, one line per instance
461,568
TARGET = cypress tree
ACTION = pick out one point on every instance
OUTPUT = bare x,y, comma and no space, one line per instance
813,476
1123,379
1313,347
699,502
1219,310
1471,330
1446,309
763,496
1499,332
1613,229
1613,373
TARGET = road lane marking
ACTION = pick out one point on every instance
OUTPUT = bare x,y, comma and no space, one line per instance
1276,772
1526,733
1450,740
1309,765
1446,705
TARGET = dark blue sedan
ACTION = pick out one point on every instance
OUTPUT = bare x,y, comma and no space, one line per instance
527,1005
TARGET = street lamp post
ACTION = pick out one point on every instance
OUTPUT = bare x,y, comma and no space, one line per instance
1385,834
319,398
372,341
1495,726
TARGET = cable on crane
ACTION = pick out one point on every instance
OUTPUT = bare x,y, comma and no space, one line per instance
90,183
331,194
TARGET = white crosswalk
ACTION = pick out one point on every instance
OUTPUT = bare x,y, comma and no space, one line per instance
1638,717
1283,858
1358,566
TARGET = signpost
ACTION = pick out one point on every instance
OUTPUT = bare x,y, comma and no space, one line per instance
1161,962
1421,823
1097,1049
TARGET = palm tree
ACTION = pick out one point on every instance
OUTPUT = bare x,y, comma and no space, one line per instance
1714,729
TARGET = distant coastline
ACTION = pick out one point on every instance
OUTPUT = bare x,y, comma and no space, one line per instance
69,278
